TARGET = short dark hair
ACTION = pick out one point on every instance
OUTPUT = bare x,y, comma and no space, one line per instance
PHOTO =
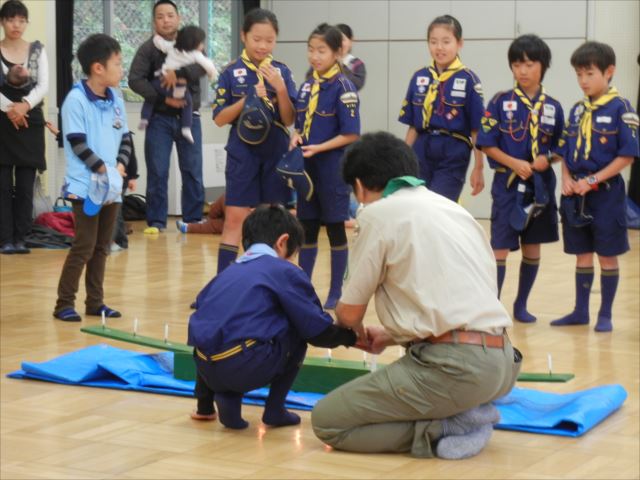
346,29
96,48
265,225
259,15
531,47
13,8
163,2
376,158
597,54
189,38
447,21
330,34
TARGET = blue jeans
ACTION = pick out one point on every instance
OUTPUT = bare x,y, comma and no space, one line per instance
162,131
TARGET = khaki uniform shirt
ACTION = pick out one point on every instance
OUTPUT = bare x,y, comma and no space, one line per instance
429,264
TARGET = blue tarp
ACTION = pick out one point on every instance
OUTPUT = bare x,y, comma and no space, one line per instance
527,410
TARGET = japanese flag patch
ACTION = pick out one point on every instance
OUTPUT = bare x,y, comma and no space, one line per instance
509,105
422,81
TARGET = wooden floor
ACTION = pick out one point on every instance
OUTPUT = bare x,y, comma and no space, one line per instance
55,431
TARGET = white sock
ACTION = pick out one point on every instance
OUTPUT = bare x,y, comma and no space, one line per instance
186,133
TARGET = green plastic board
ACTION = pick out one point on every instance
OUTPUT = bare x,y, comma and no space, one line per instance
318,375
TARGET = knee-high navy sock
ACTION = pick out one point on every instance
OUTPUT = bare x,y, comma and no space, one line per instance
307,258
205,396
339,257
580,314
528,273
502,270
226,255
608,285
275,413
229,410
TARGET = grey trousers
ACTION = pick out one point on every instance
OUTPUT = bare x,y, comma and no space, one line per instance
398,408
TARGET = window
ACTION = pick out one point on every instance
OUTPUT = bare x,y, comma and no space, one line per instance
130,22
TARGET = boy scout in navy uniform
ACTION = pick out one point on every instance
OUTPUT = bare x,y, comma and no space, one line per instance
254,321
520,129
443,107
250,174
600,139
327,120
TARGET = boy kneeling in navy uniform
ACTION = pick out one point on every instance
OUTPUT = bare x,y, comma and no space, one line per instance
254,321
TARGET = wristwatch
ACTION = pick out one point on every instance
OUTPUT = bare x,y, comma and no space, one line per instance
592,181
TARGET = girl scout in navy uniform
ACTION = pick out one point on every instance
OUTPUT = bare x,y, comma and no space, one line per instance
443,108
599,141
254,321
327,120
520,129
250,173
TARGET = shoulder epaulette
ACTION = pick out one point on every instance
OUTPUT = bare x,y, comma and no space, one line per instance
497,96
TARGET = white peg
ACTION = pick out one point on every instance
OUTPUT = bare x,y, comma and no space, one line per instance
166,333
135,326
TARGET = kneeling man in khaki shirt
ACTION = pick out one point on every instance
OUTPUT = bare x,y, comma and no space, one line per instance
432,271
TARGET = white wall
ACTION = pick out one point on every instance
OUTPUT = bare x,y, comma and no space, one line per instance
391,40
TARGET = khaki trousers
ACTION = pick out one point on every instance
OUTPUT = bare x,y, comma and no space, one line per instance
398,408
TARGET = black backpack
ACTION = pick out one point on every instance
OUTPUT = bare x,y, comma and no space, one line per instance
134,207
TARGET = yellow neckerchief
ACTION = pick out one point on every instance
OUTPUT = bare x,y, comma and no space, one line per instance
584,132
313,98
534,116
252,66
436,80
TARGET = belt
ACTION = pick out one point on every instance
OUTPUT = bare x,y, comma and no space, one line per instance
456,135
468,337
227,353
512,176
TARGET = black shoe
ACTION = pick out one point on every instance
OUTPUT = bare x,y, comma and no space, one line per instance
20,247
7,249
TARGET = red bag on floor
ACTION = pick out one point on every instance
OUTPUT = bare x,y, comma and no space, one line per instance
63,222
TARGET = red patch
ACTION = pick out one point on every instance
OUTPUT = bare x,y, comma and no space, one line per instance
487,113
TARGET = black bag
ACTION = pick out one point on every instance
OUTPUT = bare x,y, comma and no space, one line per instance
134,207
44,237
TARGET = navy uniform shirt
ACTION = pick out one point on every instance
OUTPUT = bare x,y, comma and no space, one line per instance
236,79
263,299
506,125
614,134
337,113
457,108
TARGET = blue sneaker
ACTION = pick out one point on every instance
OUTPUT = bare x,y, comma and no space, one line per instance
181,226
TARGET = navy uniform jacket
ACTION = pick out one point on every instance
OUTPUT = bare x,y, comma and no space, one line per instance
457,108
505,125
234,83
614,134
337,113
264,299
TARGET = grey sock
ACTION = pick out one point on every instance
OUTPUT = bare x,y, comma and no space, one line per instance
456,447
466,422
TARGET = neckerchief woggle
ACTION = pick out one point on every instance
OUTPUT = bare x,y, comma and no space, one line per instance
397,183
255,251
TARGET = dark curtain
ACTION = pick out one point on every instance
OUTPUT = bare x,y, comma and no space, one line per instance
634,177
64,53
248,5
